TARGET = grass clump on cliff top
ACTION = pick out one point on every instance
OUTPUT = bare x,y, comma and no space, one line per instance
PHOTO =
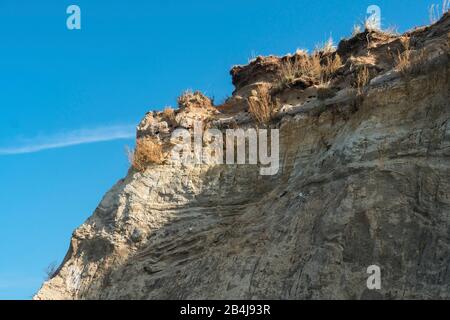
169,116
262,106
435,13
314,66
148,151
332,64
195,99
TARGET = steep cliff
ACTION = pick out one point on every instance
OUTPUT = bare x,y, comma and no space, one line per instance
364,180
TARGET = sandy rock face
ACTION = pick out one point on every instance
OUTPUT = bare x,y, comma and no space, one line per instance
364,180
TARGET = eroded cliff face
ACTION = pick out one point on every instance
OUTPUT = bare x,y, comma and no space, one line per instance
364,180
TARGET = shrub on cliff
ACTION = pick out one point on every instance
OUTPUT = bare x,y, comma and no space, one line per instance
147,152
314,66
262,106
194,99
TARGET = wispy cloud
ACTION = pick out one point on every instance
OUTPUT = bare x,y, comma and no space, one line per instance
70,138
19,281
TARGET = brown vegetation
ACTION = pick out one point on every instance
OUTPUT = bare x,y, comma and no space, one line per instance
148,151
332,64
403,59
362,78
194,99
261,105
169,116
357,29
313,66
410,62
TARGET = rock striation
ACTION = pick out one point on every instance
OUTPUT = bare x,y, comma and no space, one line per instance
364,180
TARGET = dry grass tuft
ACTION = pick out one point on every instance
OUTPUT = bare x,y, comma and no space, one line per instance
391,31
252,57
327,48
311,66
314,66
289,71
403,59
404,62
190,99
357,29
293,68
371,25
169,116
332,64
435,13
410,62
261,105
147,152
362,78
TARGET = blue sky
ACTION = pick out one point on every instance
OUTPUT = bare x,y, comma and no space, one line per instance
60,87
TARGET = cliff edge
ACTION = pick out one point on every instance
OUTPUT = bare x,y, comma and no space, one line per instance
363,179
